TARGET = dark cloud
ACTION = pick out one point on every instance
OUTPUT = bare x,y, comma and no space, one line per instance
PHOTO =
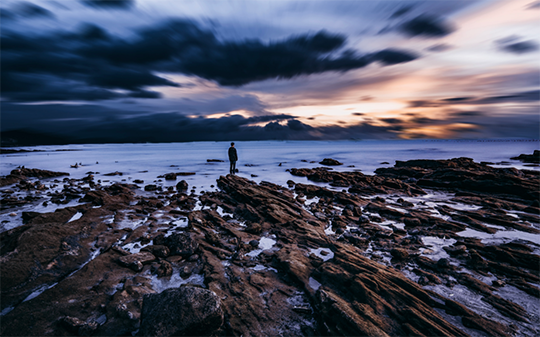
126,79
93,62
423,104
109,4
30,10
457,99
6,14
468,113
391,120
526,96
402,11
91,32
440,47
423,120
426,26
239,63
51,68
392,56
519,97
358,114
513,45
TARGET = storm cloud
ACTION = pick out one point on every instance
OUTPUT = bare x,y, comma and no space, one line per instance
426,26
519,97
109,4
92,64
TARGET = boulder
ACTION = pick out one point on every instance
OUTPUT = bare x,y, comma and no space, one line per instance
330,162
184,311
150,187
182,186
170,176
399,253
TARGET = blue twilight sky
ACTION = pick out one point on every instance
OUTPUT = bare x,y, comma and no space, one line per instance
164,70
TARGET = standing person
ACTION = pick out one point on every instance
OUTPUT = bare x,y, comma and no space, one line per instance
233,157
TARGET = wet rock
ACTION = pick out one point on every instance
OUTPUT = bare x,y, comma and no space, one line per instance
151,187
443,263
165,269
330,162
426,277
136,261
254,228
498,283
529,158
27,216
157,250
78,327
186,311
473,320
178,243
254,243
182,186
20,174
363,219
170,176
215,160
399,253
459,250
463,174
185,173
116,173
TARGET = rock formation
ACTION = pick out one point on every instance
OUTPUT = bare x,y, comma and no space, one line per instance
388,256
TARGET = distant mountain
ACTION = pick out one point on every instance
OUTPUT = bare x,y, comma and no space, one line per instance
30,138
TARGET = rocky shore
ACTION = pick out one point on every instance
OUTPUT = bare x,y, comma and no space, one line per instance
423,248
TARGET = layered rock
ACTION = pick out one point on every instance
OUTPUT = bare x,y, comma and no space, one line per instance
304,260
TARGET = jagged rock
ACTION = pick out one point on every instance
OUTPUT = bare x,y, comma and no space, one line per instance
186,311
21,174
529,158
137,260
157,250
178,243
309,282
463,174
254,228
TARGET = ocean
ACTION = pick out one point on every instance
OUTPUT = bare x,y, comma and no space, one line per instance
258,160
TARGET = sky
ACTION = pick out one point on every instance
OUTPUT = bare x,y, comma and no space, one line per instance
89,71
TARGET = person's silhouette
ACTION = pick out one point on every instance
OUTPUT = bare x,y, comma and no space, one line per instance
233,158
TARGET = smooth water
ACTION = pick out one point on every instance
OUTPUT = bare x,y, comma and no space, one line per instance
265,160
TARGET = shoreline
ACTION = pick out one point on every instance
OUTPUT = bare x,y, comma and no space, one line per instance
394,252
